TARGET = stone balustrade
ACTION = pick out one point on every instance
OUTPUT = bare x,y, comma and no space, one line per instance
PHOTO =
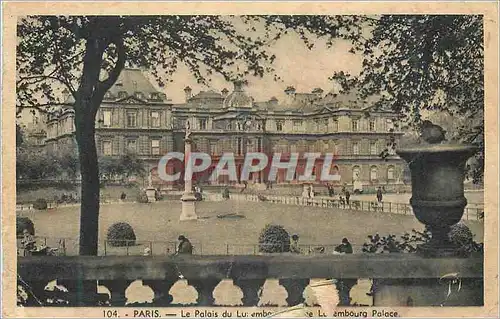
396,276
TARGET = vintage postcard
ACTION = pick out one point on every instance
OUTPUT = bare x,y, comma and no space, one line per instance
249,159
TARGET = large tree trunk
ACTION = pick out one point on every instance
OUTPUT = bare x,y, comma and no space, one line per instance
88,98
89,211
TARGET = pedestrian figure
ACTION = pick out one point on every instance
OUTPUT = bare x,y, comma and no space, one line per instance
331,191
341,200
294,245
347,196
225,193
158,194
184,246
245,185
379,195
123,196
311,192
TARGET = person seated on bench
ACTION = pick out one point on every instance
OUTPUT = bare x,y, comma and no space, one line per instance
28,241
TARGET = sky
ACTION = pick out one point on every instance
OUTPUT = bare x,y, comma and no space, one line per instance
298,66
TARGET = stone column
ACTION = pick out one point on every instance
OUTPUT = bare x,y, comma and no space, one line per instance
81,292
117,288
250,289
161,289
344,287
295,289
205,289
188,199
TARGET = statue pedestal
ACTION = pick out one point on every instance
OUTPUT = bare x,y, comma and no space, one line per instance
151,194
307,191
188,207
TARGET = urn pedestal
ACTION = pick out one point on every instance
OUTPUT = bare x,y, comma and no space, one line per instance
188,207
151,194
438,201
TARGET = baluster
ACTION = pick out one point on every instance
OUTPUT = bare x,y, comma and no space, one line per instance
250,289
205,289
81,292
344,287
117,288
295,289
161,289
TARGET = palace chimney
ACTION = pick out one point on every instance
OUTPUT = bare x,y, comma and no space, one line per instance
188,92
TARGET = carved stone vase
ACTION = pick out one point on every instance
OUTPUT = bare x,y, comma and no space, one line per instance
438,201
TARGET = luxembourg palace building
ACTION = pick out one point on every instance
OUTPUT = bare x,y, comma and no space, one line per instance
135,117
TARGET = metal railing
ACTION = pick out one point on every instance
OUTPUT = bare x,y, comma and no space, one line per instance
69,247
470,213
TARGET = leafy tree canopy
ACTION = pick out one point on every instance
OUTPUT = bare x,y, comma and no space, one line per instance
417,65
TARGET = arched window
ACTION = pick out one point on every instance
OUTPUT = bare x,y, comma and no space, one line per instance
335,171
356,171
373,173
390,173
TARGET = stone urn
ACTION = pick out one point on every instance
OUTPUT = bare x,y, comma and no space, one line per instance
437,178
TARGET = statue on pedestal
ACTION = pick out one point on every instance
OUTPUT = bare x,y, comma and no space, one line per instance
188,131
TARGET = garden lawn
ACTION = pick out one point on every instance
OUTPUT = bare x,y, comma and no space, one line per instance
210,235
159,222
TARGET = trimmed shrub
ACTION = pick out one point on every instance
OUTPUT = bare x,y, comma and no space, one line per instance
23,223
274,239
142,198
121,234
460,234
40,204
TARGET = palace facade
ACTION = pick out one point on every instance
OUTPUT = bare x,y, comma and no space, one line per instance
135,117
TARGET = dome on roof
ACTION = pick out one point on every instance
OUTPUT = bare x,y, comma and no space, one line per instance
238,98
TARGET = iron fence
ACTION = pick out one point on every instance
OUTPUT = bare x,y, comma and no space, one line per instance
470,213
69,247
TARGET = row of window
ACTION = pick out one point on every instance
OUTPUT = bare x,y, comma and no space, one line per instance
131,117
202,123
251,145
355,127
323,147
131,146
374,173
